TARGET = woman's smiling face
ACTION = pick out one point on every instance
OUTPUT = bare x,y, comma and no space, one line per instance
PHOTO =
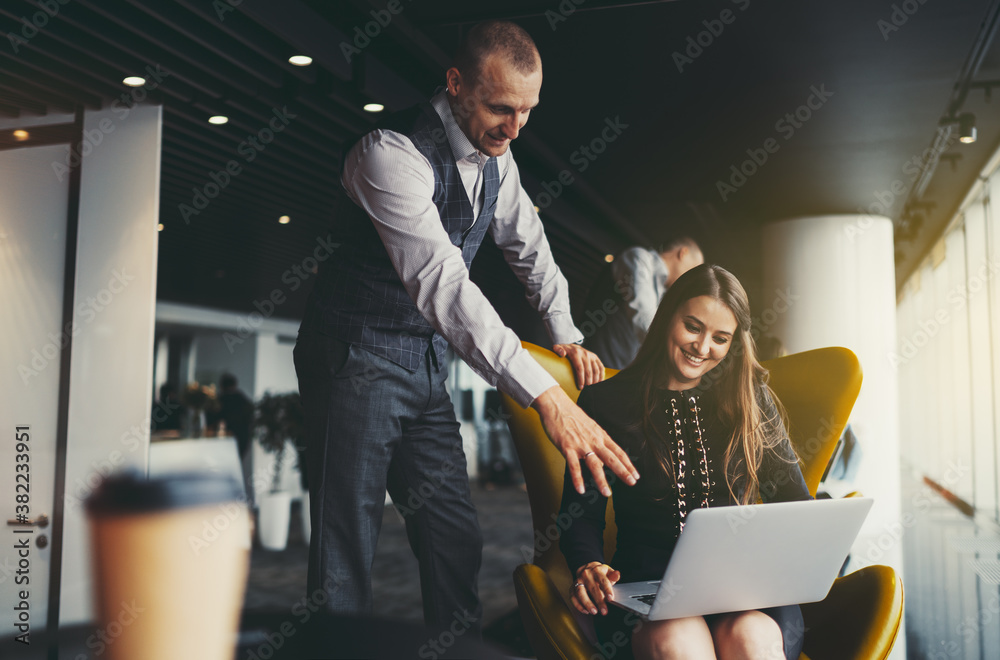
701,333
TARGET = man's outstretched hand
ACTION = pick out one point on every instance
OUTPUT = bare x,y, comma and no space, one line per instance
586,365
581,440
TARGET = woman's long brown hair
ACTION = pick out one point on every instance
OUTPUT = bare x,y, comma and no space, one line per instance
737,379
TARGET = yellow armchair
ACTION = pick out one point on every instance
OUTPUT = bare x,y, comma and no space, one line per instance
862,614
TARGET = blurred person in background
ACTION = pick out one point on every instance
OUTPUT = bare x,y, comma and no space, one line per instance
634,285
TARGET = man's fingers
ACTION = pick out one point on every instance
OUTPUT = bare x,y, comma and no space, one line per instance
597,470
579,369
612,456
592,364
575,473
578,437
618,461
614,463
598,370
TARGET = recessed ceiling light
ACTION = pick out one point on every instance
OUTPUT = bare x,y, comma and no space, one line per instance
159,227
374,107
134,81
300,60
20,135
218,120
284,219
609,258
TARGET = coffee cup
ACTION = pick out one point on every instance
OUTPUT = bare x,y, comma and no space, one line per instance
170,558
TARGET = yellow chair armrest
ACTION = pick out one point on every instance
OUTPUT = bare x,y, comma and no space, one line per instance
548,621
859,619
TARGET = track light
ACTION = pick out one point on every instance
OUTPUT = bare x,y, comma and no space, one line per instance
967,128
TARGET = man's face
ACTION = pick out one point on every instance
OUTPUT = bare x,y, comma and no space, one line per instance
492,109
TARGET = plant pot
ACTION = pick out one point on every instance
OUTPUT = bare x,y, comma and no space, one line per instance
195,427
306,519
272,521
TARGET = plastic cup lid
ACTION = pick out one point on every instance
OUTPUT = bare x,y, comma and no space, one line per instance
131,492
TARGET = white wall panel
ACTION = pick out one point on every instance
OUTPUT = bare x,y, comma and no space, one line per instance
112,363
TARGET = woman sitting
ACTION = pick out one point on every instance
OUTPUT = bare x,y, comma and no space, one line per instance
696,416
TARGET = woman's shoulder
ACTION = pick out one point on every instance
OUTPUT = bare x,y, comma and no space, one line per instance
621,384
767,401
617,398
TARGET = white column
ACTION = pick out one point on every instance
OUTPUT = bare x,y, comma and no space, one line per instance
839,273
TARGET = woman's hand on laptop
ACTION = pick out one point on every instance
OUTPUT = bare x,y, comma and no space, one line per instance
594,587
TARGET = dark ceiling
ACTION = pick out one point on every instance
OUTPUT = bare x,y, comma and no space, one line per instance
695,87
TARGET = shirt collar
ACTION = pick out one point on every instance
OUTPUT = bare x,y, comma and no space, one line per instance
461,148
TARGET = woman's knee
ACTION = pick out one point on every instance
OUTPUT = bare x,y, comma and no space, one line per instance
750,634
675,638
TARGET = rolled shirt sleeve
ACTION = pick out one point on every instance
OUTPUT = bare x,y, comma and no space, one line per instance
636,267
519,233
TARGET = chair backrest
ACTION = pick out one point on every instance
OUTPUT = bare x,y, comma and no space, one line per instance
543,467
817,389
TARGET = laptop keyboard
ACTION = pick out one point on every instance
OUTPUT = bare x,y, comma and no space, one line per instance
646,598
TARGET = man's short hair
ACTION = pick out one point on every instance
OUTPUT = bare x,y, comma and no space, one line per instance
227,381
509,40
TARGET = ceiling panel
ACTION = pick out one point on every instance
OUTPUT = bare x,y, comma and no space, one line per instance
689,90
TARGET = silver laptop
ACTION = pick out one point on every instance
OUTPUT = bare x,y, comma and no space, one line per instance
730,559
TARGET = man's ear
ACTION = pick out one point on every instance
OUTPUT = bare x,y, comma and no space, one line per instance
453,79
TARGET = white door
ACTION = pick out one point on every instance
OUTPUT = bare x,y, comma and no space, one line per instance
33,219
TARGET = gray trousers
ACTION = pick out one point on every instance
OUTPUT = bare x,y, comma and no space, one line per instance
371,425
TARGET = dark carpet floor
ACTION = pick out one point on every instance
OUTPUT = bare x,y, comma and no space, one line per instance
278,579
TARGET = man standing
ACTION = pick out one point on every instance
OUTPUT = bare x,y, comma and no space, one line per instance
638,279
370,353
237,411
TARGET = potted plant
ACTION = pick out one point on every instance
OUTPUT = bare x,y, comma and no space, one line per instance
279,419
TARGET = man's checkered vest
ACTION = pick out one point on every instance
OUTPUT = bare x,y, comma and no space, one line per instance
359,298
